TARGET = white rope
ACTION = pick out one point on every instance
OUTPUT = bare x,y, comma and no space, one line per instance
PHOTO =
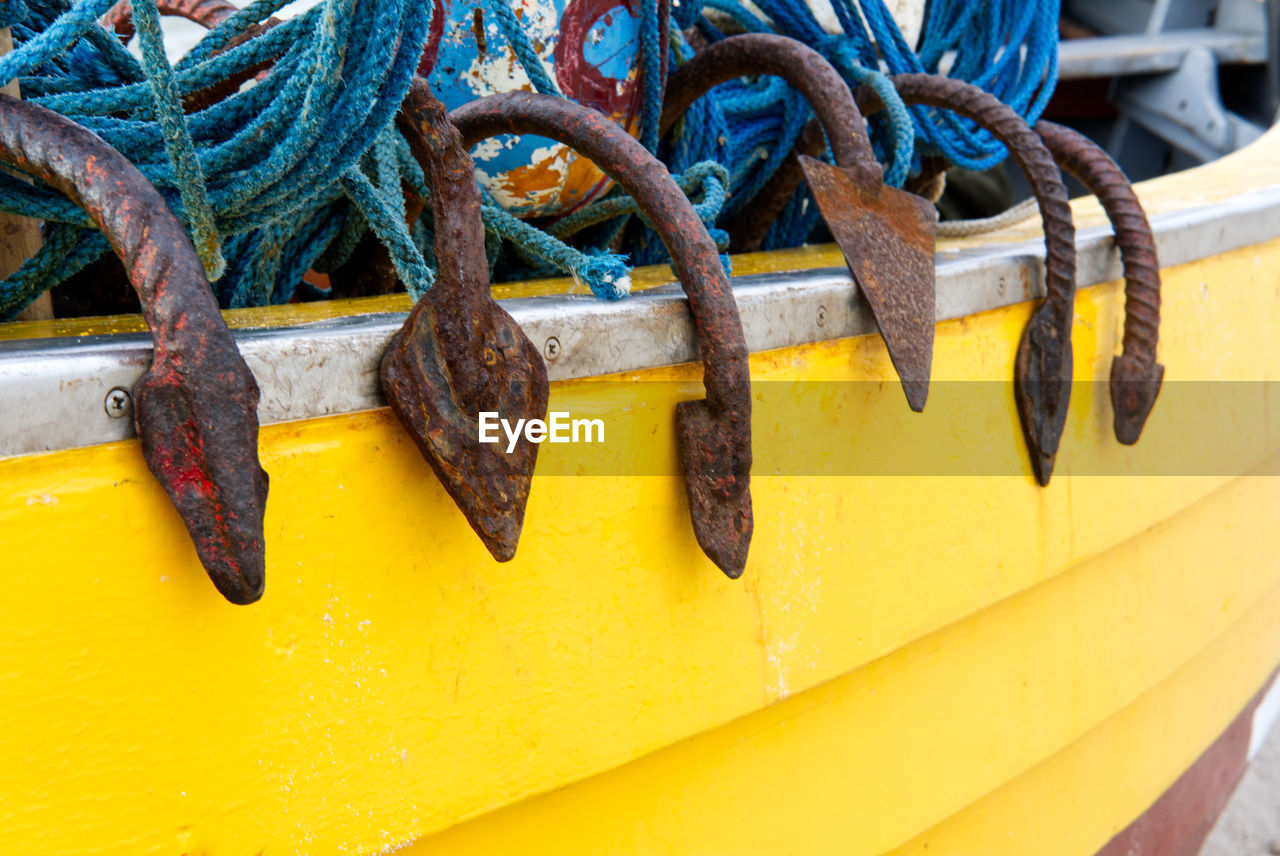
968,228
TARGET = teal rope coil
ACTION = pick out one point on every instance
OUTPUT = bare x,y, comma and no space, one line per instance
178,145
252,172
291,172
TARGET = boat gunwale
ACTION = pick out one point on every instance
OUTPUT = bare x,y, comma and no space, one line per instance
54,388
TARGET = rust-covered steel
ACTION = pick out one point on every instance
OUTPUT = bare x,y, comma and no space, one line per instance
750,225
459,353
887,237
367,272
1042,374
196,406
206,13
886,234
1135,374
714,433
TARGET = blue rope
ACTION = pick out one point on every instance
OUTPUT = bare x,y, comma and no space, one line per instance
178,145
518,39
651,67
704,183
290,173
270,172
902,128
12,12
54,40
748,126
389,226
606,274
1008,47
68,250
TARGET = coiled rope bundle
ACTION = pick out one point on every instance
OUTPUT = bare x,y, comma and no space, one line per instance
288,173
266,179
1008,47
748,127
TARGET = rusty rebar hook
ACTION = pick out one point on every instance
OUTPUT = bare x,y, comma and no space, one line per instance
886,234
459,353
1043,367
196,406
1135,374
715,433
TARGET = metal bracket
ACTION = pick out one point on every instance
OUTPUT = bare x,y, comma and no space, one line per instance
1184,109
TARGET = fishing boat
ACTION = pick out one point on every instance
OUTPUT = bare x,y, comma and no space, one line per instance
928,651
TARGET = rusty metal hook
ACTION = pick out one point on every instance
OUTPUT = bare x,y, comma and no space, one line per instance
206,13
886,234
1135,374
1043,367
196,406
459,353
715,433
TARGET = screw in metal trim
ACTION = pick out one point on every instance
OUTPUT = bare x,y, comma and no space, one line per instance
822,316
118,403
551,350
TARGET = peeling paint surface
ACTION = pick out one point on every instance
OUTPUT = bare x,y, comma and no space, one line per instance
907,14
590,48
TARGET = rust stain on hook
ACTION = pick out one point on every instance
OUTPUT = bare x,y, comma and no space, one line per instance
714,433
1042,373
459,353
196,406
886,234
750,225
1135,375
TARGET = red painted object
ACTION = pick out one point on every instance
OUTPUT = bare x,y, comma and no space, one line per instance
196,406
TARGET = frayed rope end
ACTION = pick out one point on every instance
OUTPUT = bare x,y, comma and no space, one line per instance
607,275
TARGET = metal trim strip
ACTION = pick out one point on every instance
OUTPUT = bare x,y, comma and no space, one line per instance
53,391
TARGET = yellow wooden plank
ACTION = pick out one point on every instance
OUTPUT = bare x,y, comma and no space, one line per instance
1174,630
1079,799
643,278
395,680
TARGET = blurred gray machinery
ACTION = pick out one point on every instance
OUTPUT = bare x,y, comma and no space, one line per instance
1193,79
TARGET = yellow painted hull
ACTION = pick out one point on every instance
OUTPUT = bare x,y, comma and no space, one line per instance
911,664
